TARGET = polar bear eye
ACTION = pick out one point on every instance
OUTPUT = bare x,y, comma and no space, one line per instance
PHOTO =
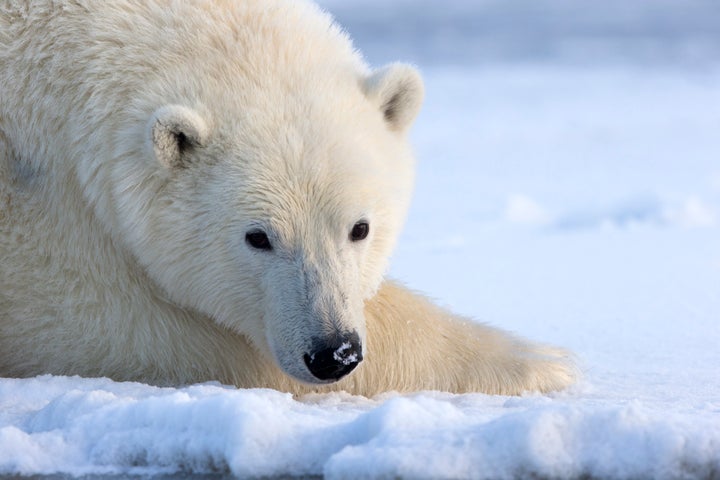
258,239
359,231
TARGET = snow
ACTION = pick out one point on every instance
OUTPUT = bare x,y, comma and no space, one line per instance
345,358
568,190
81,426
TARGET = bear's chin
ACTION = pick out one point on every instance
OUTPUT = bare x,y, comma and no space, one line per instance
300,374
299,371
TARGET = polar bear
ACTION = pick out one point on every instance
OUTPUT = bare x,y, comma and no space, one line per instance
210,190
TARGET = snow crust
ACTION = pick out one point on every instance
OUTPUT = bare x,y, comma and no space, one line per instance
573,199
81,426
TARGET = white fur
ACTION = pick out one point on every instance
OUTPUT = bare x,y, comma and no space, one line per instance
141,140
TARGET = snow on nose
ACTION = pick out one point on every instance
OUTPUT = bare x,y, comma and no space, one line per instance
332,361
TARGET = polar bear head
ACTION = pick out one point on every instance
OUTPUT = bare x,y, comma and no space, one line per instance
267,192
280,226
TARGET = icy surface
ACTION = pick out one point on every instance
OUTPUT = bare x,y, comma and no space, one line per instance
573,199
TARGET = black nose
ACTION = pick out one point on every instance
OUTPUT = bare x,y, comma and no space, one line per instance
332,361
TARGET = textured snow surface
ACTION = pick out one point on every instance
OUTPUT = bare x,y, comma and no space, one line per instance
571,198
82,426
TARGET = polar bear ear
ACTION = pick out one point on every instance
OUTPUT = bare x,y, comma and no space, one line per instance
398,91
174,131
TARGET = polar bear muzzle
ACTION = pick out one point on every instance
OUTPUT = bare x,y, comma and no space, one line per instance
330,361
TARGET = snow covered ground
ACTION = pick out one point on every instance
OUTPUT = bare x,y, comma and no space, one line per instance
568,190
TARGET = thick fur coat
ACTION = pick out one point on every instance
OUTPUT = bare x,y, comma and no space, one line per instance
210,190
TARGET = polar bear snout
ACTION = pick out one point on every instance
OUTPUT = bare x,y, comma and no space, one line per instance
332,360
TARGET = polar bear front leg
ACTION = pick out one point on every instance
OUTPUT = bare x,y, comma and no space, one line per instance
415,345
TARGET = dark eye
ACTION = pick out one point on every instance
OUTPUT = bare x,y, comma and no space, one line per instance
359,231
258,239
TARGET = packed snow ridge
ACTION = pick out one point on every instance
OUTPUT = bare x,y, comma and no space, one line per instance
78,426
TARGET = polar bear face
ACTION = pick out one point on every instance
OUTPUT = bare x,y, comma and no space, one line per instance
277,221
